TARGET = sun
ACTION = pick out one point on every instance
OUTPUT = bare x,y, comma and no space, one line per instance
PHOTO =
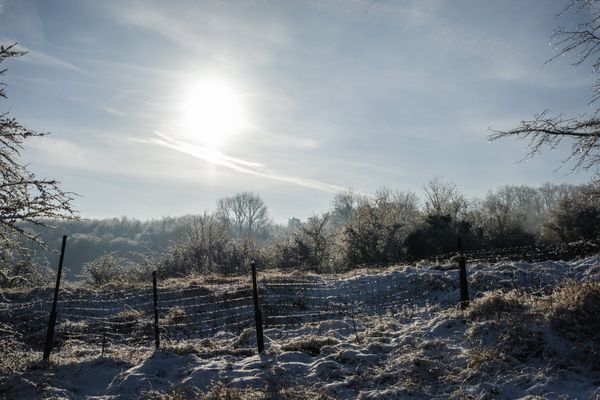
212,113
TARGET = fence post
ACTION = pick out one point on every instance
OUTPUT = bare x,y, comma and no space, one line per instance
103,343
155,296
260,342
462,272
52,320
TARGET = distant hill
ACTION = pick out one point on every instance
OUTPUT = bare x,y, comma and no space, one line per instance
90,238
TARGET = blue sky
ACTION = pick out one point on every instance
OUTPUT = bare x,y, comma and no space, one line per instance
316,96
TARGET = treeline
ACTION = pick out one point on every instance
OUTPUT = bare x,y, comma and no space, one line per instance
388,226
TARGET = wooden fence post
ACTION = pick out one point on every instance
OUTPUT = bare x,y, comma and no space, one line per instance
260,342
52,320
462,273
155,296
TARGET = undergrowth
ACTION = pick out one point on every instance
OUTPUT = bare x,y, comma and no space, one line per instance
562,328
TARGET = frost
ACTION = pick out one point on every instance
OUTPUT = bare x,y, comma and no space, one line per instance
531,331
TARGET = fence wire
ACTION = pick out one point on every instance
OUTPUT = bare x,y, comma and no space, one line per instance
288,303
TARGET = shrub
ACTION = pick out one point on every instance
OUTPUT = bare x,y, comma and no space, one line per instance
576,217
108,268
438,234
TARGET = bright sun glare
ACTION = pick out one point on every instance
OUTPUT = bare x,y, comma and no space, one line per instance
212,113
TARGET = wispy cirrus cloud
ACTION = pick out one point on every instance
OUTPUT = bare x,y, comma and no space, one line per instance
42,58
114,111
265,138
414,11
238,165
240,36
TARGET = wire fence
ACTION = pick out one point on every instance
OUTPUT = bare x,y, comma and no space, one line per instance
127,316
287,302
530,253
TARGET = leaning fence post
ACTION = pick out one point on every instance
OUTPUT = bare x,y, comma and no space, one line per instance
52,320
260,342
462,272
155,296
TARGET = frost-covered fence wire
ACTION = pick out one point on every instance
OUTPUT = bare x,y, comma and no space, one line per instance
288,301
127,316
530,253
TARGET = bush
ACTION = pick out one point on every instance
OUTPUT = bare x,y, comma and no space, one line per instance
576,217
378,227
438,234
510,237
19,269
108,268
307,245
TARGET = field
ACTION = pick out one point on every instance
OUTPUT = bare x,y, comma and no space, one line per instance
530,331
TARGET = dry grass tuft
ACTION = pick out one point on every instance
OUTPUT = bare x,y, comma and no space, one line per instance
302,393
206,348
495,304
130,322
246,339
223,391
310,345
176,315
574,310
14,357
563,327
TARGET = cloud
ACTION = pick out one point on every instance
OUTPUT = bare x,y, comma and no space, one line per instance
240,36
21,19
113,111
417,12
104,157
242,166
58,152
42,58
285,141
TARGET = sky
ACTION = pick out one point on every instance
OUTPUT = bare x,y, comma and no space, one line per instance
160,108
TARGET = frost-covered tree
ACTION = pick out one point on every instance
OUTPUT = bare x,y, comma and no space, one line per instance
547,130
315,235
378,227
344,207
246,213
577,216
443,198
25,199
207,245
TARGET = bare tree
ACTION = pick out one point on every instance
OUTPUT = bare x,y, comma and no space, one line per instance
395,207
344,206
206,240
24,198
246,212
442,198
582,132
551,195
317,236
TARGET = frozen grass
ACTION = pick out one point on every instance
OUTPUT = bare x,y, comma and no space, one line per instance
562,329
528,334
222,391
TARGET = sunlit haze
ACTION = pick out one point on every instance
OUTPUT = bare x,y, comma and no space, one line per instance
161,108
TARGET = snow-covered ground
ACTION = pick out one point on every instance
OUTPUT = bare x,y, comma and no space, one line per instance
532,331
